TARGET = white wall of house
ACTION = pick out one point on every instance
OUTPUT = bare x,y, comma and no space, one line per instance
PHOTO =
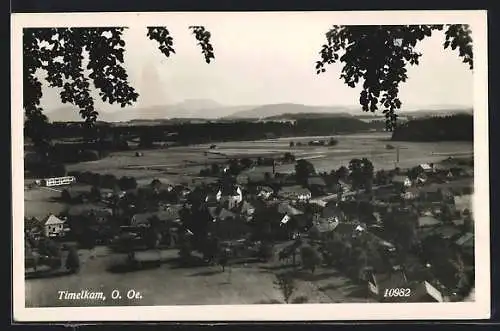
54,229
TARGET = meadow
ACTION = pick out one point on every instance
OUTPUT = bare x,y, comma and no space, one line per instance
170,284
182,164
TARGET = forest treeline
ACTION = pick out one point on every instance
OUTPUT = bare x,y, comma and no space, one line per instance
190,133
458,127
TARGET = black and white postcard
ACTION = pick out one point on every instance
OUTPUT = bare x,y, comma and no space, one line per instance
250,166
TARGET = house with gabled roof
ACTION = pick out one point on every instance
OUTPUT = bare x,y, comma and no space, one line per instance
380,282
265,192
411,193
231,195
428,221
221,214
86,211
167,215
293,220
465,244
401,181
245,210
426,167
54,226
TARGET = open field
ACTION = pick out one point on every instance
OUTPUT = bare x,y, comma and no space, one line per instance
173,285
182,164
41,201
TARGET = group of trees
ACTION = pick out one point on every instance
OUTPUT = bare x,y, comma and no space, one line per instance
303,170
45,251
361,173
109,181
458,127
235,166
330,142
46,169
354,254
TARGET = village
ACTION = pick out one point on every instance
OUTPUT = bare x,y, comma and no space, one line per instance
404,235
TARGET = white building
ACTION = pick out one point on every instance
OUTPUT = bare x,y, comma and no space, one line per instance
58,181
54,226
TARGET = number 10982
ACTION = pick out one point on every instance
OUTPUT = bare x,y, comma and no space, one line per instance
397,292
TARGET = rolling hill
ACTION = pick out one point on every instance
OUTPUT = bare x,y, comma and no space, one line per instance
209,109
196,108
271,110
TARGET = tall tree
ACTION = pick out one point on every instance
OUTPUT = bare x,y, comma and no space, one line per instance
60,53
303,170
286,285
356,173
310,258
378,57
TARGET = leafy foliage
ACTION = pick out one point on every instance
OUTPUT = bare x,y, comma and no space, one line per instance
378,56
310,258
459,127
73,260
303,170
286,284
62,54
203,38
361,172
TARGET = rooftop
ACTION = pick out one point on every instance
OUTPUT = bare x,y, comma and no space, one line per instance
296,189
53,220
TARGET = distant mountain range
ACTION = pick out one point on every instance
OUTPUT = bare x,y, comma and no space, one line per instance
279,109
209,109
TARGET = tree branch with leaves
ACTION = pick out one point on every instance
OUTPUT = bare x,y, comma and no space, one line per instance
377,57
60,53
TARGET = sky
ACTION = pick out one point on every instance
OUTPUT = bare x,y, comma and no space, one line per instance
269,58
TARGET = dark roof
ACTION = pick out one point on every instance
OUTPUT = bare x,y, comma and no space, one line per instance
425,292
170,214
242,179
467,240
316,181
87,209
230,229
434,189
399,179
413,190
447,231
245,207
221,213
78,189
425,166
285,208
229,190
378,240
424,221
266,189
296,189
346,228
325,225
394,279
329,212
256,177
